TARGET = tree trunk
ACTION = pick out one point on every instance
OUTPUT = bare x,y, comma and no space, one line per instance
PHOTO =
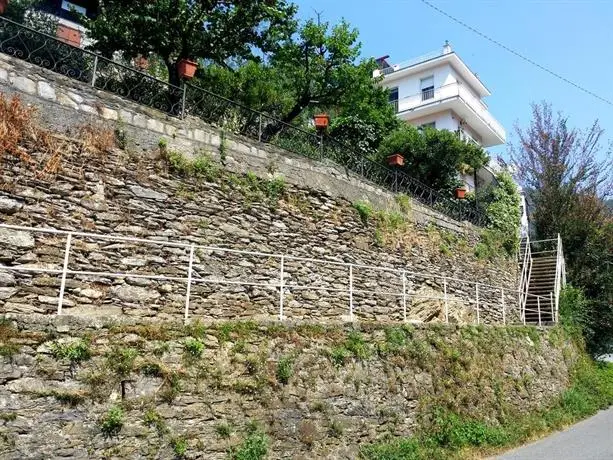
275,128
174,96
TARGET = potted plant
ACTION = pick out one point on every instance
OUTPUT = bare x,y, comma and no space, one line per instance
460,192
395,160
187,68
322,120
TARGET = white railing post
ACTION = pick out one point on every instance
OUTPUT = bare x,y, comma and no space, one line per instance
281,288
446,300
404,295
64,273
93,80
477,298
504,313
538,303
189,280
554,314
351,292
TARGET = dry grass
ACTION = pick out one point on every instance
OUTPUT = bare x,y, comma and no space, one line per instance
19,136
23,141
96,139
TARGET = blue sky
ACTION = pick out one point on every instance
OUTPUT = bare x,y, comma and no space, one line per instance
571,37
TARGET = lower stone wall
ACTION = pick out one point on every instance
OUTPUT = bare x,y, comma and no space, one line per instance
83,388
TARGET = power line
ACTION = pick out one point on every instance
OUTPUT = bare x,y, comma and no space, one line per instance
519,55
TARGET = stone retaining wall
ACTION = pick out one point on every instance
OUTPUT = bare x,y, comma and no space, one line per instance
122,194
315,392
65,104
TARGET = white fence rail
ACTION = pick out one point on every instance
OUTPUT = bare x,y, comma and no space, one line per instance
367,292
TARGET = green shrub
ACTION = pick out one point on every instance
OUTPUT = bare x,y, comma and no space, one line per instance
284,369
365,210
223,430
154,419
75,352
254,447
111,423
179,447
121,360
405,202
193,348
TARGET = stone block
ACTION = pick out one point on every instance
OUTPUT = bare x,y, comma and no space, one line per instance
200,135
46,91
139,120
155,125
109,114
24,84
88,109
67,101
4,76
126,116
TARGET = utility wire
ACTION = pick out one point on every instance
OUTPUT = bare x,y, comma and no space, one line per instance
519,55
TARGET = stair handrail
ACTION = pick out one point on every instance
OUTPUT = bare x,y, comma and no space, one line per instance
525,277
560,280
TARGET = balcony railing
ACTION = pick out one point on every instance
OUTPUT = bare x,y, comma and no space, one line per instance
427,94
457,90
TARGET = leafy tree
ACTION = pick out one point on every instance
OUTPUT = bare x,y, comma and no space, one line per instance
213,30
432,156
25,12
500,202
566,185
319,68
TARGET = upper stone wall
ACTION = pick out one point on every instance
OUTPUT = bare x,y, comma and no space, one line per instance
64,104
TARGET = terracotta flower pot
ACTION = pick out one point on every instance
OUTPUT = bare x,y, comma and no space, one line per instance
460,193
395,160
322,120
187,68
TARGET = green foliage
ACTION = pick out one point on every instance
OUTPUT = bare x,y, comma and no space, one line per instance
253,447
121,360
179,447
432,156
365,210
223,430
8,350
217,31
8,416
202,166
500,202
112,422
154,420
285,369
193,348
171,387
353,347
75,352
336,429
405,202
444,433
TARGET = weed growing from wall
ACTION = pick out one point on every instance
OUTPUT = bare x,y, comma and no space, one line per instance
285,369
112,422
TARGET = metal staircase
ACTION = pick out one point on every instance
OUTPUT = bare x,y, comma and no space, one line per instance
543,274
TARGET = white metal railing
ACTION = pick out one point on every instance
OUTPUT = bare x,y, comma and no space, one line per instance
480,306
560,275
524,280
448,91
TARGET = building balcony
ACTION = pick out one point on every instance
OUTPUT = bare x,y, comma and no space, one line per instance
459,99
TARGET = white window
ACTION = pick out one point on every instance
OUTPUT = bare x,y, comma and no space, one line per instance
427,88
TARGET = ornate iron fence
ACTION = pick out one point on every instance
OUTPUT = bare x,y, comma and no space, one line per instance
50,53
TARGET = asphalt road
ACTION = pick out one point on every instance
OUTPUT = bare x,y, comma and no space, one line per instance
591,439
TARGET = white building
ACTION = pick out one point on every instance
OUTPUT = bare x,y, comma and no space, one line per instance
440,91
